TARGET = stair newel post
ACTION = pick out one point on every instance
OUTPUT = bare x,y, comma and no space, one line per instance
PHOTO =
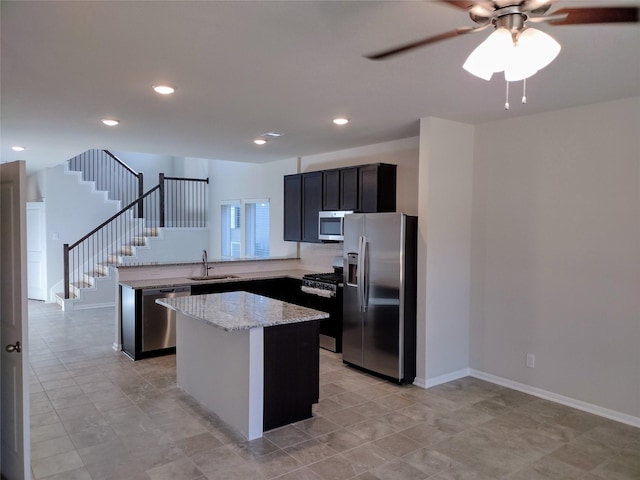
140,193
65,253
161,194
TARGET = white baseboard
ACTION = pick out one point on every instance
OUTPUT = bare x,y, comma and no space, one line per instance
554,397
94,305
536,392
449,377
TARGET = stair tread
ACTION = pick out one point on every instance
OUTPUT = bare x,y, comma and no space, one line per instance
71,296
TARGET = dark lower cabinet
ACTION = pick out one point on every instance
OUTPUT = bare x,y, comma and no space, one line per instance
291,373
288,290
284,289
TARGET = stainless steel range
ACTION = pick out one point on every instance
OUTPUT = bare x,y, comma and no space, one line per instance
324,292
324,284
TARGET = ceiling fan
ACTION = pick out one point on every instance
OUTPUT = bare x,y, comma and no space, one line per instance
514,47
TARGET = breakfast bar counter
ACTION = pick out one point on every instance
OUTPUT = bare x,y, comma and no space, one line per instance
252,360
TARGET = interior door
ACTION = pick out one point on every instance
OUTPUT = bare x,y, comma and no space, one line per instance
14,395
36,251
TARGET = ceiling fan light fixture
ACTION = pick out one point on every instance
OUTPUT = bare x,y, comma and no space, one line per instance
532,50
538,48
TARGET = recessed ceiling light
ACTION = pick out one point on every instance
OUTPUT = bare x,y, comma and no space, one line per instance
259,141
271,134
164,89
110,122
17,148
340,121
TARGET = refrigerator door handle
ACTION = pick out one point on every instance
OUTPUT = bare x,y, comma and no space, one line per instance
364,274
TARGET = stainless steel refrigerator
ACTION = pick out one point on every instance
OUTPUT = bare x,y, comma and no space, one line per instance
379,299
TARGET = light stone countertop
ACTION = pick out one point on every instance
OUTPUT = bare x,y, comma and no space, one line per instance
233,277
240,310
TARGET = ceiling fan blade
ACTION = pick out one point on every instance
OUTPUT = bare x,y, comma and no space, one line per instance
461,4
538,7
577,16
421,43
478,8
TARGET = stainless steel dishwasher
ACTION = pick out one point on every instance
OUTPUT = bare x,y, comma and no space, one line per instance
158,322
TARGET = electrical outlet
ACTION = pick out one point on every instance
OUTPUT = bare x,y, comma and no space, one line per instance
531,360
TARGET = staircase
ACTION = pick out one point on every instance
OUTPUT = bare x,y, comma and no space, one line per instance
141,232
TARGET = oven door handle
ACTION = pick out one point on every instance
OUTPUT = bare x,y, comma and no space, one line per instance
318,291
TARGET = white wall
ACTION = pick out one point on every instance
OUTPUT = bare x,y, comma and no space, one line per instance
237,181
403,153
556,253
66,222
151,165
444,249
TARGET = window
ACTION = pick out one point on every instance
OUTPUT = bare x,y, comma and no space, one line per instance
257,228
245,228
231,231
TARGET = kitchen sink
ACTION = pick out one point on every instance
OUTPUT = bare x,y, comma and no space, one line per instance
213,277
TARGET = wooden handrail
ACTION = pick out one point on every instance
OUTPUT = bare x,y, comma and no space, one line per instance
127,167
205,180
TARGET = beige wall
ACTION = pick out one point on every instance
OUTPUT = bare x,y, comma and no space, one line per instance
556,253
444,245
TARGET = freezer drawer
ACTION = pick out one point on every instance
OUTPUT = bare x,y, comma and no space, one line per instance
158,322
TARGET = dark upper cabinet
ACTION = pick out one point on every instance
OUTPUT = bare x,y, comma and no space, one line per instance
377,188
293,208
311,205
363,188
340,189
331,190
349,189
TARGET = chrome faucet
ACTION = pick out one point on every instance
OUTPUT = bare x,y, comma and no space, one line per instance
205,264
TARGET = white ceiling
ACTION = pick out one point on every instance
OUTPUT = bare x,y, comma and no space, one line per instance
243,68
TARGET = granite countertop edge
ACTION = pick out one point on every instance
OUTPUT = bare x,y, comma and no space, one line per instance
209,313
233,277
215,261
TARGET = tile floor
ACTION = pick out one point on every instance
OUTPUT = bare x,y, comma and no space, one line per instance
97,415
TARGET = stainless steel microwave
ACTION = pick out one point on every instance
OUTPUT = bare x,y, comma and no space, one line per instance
331,225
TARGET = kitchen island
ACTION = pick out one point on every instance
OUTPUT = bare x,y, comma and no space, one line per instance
252,360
